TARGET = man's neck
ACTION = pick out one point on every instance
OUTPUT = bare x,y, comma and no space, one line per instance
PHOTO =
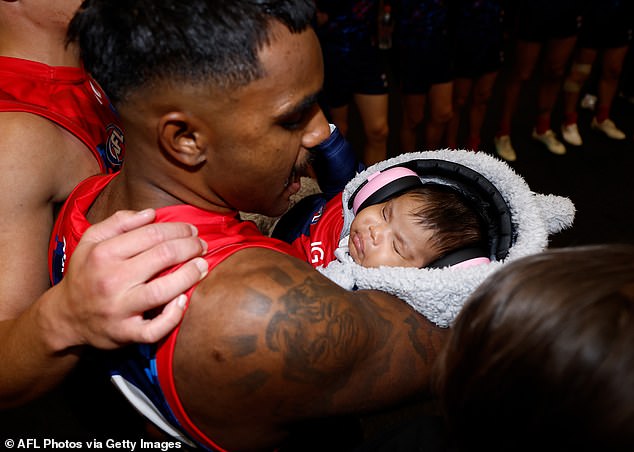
137,191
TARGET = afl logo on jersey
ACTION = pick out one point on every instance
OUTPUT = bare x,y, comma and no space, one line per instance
114,147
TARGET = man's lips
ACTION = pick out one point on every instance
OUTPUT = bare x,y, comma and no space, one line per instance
294,187
293,183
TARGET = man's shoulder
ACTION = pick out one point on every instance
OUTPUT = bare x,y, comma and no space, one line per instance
257,266
30,138
243,243
48,152
18,123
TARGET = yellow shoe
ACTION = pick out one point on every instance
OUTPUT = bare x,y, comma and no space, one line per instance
504,148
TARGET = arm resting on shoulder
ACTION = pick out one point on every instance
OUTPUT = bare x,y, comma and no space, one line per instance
100,302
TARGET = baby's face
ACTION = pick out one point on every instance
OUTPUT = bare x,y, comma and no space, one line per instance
387,234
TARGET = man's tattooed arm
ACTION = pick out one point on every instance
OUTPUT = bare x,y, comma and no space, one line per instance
289,344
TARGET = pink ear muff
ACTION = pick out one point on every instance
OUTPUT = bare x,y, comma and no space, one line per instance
472,262
378,181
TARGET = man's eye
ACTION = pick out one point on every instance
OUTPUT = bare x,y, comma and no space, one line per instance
383,214
293,122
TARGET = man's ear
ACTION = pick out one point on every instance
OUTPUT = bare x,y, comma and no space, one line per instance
183,138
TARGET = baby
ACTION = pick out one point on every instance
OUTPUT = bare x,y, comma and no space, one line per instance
399,221
477,210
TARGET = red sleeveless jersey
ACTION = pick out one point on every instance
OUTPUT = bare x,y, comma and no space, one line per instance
69,97
225,234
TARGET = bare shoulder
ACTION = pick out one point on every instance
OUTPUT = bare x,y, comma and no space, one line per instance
20,129
38,169
277,288
42,152
269,330
282,299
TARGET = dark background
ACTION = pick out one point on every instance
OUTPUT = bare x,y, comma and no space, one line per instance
597,176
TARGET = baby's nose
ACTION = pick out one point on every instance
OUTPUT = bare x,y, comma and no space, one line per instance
378,232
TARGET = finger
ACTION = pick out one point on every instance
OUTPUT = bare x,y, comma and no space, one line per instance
161,239
165,255
133,232
167,287
155,329
118,223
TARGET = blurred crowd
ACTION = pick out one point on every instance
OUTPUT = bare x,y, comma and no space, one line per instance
444,58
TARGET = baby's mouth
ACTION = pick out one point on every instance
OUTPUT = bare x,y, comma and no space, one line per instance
358,244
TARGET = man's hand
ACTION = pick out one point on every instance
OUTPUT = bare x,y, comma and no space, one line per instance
105,291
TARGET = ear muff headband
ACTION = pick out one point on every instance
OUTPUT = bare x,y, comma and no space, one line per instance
463,257
382,186
479,192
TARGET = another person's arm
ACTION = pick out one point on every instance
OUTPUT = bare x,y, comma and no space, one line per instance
100,302
102,299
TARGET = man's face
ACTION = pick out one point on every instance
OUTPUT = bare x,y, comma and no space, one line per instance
388,234
260,132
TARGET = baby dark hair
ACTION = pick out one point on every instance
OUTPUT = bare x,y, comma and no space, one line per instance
455,224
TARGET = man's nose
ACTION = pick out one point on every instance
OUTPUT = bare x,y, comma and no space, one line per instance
317,130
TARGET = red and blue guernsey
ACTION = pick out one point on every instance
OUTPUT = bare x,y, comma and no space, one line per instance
69,97
317,236
143,373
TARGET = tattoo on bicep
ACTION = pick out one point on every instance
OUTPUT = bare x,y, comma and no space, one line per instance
320,333
250,383
241,346
255,302
280,276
